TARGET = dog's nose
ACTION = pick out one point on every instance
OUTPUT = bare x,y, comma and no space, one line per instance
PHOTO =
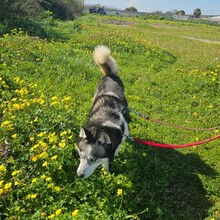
80,175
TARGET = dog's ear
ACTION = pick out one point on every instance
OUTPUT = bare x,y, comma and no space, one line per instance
104,138
85,133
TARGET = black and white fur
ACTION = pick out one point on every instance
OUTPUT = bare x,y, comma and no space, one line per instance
107,126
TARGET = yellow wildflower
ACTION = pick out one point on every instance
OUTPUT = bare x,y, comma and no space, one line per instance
66,98
14,136
42,144
75,213
11,127
14,173
43,176
23,91
28,196
119,192
1,183
52,138
44,164
16,183
54,157
51,216
33,196
34,180
42,134
54,103
31,139
1,191
7,186
50,185
2,168
4,123
54,98
62,144
63,133
58,211
34,159
195,114
57,188
48,179
44,155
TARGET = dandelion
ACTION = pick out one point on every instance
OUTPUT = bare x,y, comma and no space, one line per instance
2,168
58,211
75,213
119,192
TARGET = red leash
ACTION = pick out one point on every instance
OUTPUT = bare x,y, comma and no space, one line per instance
140,141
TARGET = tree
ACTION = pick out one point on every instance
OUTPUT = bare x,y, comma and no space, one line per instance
197,12
62,9
131,9
181,12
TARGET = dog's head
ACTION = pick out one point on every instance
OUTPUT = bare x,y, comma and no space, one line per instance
95,148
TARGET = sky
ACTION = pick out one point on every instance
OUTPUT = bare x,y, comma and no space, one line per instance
208,7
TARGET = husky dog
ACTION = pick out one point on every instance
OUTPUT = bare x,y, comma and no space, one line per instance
107,126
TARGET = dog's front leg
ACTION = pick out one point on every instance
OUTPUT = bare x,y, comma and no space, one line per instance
106,166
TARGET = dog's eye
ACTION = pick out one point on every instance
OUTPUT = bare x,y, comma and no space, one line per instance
93,160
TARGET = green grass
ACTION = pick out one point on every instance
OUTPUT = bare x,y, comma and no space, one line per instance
46,91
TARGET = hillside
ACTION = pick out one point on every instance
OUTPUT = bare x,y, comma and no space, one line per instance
46,88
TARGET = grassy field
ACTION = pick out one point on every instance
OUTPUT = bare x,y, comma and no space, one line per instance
171,72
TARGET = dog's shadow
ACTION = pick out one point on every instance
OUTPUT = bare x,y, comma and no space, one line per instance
166,182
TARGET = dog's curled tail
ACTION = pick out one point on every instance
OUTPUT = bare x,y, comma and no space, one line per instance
102,57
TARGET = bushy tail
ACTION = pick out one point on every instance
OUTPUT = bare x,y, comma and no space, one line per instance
102,57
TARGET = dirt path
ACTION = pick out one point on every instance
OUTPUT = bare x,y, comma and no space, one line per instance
203,40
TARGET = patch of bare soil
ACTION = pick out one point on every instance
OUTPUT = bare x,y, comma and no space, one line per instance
123,23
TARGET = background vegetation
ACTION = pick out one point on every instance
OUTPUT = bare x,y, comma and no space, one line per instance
170,71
